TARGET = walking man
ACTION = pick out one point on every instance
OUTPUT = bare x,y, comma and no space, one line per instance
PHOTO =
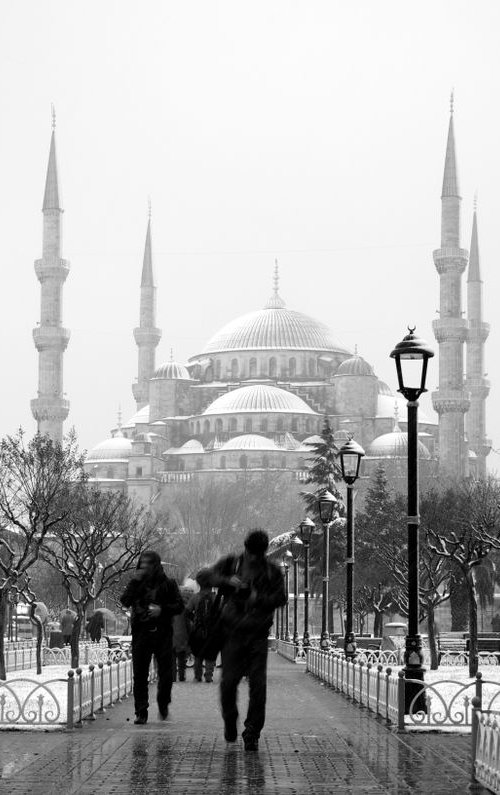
199,610
154,599
253,588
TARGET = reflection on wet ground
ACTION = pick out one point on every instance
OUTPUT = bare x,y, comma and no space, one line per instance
315,742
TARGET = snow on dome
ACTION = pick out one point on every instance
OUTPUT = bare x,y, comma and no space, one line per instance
356,365
114,449
383,388
249,441
192,446
141,417
172,371
394,445
261,398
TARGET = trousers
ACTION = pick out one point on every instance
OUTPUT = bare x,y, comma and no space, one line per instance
244,657
179,665
145,646
198,669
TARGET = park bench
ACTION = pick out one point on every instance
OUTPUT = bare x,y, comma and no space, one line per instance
487,645
451,643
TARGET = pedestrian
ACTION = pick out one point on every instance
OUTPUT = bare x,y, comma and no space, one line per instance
67,621
180,639
253,588
153,599
199,610
94,626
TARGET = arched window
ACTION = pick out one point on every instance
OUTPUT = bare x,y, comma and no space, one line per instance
234,368
199,463
279,424
109,472
198,428
312,367
243,462
301,463
217,369
206,426
294,423
292,367
265,461
273,368
233,425
263,426
223,462
182,465
209,373
308,425
218,425
248,425
283,461
252,371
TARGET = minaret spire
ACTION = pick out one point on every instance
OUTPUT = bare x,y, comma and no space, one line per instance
50,408
275,301
476,382
451,401
146,335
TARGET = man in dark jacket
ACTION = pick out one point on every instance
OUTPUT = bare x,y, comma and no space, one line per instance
154,599
253,588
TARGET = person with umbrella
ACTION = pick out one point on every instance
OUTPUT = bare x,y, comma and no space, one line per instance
67,621
95,625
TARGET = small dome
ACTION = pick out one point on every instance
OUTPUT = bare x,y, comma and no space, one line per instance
383,388
141,417
394,445
192,446
114,449
261,398
249,441
172,371
356,365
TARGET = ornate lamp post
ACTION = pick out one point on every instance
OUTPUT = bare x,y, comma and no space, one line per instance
350,455
286,567
412,355
306,530
326,505
295,553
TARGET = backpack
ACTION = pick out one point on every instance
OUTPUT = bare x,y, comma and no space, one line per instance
202,614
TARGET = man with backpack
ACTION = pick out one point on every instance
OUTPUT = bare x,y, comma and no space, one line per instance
199,611
252,588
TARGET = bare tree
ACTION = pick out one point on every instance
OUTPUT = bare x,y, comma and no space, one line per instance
99,540
475,533
36,481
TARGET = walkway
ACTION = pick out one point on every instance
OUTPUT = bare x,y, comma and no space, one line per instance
315,742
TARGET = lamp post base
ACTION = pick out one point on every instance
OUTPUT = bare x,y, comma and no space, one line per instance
350,646
296,639
415,700
325,640
306,642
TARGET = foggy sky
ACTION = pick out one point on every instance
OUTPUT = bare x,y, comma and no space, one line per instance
310,131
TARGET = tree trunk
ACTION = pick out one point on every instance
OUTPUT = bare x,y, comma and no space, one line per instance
377,623
39,637
75,639
3,615
459,604
431,630
473,650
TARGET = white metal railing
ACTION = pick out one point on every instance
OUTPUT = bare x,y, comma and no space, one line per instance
291,651
26,702
485,748
447,702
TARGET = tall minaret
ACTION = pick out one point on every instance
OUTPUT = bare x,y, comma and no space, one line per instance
50,408
451,401
476,383
147,336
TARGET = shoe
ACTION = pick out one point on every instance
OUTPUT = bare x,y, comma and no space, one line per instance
197,679
209,679
140,720
230,733
251,744
163,713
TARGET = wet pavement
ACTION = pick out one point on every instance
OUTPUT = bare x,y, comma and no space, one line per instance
314,742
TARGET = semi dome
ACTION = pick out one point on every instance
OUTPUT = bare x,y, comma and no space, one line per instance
356,365
249,441
274,328
394,445
114,449
383,388
261,398
172,371
141,417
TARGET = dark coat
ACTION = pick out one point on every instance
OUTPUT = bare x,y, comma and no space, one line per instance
139,594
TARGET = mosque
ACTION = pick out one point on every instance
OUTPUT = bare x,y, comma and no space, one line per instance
254,399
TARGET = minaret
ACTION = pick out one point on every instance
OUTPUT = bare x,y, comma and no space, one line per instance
476,383
451,401
147,336
50,408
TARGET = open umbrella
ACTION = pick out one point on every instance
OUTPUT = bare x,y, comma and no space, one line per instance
41,611
108,615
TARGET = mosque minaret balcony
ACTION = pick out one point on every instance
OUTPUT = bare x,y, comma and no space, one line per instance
447,329
51,338
450,259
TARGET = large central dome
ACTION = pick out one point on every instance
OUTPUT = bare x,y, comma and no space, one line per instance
274,328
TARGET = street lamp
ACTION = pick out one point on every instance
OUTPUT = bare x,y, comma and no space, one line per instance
296,552
326,507
286,567
350,455
306,530
412,355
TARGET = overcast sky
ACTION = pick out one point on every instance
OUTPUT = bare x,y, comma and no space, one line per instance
310,131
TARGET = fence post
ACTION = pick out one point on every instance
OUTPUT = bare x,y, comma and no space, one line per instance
388,672
118,694
476,705
80,696
92,692
70,700
110,685
368,678
401,701
101,677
